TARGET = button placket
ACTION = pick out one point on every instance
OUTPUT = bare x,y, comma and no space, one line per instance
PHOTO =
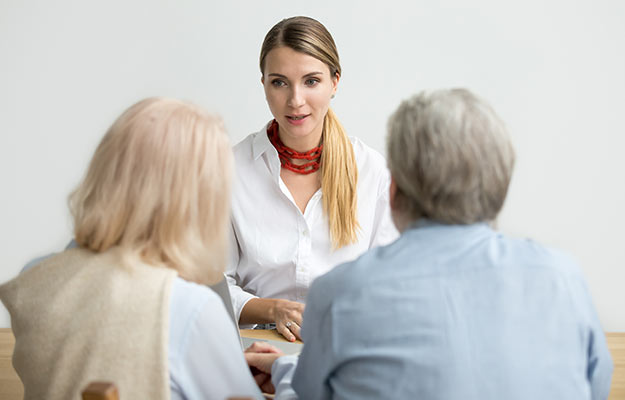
302,270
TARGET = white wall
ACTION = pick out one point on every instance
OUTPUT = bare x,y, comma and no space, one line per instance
554,70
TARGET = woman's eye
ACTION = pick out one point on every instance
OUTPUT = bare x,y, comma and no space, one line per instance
278,83
311,82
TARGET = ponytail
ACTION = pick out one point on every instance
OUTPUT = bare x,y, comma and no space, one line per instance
339,179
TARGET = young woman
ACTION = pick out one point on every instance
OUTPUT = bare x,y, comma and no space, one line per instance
306,196
128,304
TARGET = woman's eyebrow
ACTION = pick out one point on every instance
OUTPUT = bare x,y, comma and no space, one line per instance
305,76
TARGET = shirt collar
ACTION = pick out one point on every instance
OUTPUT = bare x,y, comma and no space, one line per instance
261,142
430,223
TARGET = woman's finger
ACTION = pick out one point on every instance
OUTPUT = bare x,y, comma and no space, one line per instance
262,347
294,316
261,361
295,329
297,319
286,332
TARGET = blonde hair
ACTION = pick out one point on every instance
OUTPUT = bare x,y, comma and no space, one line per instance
450,156
339,173
158,187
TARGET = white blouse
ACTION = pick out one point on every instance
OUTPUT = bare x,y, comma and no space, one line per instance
276,251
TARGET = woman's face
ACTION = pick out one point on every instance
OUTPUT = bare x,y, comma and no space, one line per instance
298,88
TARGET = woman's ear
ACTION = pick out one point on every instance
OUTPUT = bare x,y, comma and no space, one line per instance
335,82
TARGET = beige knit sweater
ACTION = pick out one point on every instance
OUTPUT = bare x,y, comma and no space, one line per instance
80,317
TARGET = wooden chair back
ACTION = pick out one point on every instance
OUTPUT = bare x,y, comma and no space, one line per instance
100,391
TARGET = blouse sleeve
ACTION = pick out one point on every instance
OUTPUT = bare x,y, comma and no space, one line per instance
238,295
205,357
384,231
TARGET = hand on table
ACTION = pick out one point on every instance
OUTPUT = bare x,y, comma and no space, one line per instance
260,357
286,314
288,318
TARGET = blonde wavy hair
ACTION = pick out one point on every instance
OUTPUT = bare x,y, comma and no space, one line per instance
158,186
339,173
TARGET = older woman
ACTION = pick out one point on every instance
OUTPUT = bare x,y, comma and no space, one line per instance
127,304
452,309
306,196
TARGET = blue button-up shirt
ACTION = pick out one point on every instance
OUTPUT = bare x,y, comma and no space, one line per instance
450,312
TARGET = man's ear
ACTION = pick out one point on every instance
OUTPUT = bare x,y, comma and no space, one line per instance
392,193
397,215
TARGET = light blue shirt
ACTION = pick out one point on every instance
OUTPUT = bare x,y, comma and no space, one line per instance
450,312
204,352
205,356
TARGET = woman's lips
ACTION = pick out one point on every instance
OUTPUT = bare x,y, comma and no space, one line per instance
297,119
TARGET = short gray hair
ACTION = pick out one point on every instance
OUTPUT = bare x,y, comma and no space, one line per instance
450,156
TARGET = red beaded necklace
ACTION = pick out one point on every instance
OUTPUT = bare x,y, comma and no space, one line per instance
287,154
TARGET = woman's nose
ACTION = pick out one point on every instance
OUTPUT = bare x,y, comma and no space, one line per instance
296,98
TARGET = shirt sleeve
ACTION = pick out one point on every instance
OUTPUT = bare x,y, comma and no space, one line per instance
205,356
282,376
239,296
600,366
384,230
599,362
316,361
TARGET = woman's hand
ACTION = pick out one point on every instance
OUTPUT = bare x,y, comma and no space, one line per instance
260,356
288,318
286,314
